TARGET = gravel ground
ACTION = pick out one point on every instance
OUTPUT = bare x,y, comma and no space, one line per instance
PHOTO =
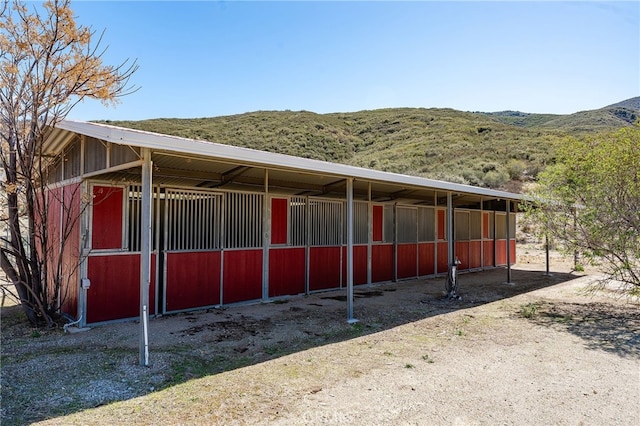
540,351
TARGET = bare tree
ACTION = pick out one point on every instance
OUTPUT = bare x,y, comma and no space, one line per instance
48,64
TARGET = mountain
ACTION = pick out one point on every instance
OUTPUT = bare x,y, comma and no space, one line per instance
497,150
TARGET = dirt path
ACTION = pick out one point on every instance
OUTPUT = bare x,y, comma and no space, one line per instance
536,352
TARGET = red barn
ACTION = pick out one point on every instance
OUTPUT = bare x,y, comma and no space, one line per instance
191,224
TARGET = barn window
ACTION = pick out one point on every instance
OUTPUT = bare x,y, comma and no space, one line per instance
297,221
407,221
388,223
193,220
426,224
243,220
487,225
360,222
501,226
461,226
325,222
475,225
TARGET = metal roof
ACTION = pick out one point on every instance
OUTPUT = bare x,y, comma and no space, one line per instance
251,157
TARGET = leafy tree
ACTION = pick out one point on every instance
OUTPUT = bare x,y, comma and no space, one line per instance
591,202
48,64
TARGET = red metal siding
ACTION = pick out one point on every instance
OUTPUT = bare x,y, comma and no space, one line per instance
462,253
115,287
441,225
54,219
359,265
513,251
443,260
487,252
193,280
501,252
286,271
70,257
106,226
407,260
279,210
242,276
377,223
475,254
324,268
381,263
426,258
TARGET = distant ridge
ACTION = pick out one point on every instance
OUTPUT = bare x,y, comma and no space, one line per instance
496,150
633,104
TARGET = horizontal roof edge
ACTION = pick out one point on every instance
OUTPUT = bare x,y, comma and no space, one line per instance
156,141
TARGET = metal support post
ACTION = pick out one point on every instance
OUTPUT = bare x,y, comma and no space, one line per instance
509,242
450,243
350,318
145,255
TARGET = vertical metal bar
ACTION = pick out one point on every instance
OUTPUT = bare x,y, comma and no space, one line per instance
350,318
168,233
266,236
508,242
369,235
449,225
395,241
145,254
307,250
546,249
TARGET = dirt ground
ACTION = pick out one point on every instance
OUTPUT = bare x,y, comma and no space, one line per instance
539,350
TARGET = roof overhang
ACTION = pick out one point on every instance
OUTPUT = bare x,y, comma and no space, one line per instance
302,169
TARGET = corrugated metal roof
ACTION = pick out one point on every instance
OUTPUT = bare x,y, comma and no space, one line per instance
252,157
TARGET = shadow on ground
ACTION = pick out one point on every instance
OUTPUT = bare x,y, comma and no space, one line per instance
48,374
602,326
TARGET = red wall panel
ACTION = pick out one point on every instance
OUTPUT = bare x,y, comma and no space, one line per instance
193,280
407,260
513,251
106,227
242,276
381,263
279,210
462,253
501,252
71,254
487,252
475,254
324,268
377,223
359,265
286,271
426,258
115,287
443,260
441,225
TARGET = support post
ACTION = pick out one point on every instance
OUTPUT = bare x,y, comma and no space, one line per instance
509,242
350,318
145,255
450,243
266,236
546,250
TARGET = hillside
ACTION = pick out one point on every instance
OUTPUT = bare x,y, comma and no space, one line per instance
497,150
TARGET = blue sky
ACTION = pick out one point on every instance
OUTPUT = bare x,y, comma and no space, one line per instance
205,58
